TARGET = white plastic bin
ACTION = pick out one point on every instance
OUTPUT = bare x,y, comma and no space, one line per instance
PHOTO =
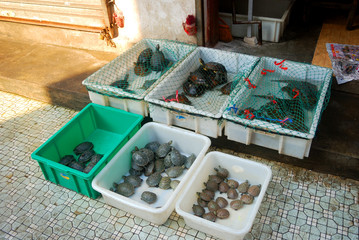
132,99
205,112
184,141
239,222
289,142
274,21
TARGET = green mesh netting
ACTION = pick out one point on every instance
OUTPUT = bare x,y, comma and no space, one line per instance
202,83
283,97
138,70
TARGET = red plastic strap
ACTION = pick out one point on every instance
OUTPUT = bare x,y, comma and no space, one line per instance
249,114
173,99
249,83
296,91
281,64
264,71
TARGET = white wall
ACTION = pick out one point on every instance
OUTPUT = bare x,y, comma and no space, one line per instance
159,19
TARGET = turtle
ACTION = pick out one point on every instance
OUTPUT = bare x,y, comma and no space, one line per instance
193,90
123,84
219,71
82,147
158,60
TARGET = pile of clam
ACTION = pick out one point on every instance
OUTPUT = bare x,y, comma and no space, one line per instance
231,194
158,164
86,158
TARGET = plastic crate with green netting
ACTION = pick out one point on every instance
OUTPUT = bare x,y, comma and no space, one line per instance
280,106
107,128
195,94
125,81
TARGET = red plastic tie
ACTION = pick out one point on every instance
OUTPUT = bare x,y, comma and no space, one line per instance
249,83
248,114
296,91
264,71
173,99
281,64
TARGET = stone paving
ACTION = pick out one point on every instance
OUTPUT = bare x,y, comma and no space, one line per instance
299,204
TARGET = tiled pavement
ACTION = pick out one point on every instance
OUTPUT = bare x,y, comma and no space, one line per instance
299,204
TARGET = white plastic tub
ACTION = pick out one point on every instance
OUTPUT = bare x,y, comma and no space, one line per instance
184,141
273,14
240,222
205,112
98,84
289,142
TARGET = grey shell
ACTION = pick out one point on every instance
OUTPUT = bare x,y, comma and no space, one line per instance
153,146
82,147
175,171
148,197
154,179
174,184
165,183
176,157
190,160
164,149
125,189
134,180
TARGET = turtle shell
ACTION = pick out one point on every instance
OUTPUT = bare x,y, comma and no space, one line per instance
77,166
67,159
125,189
86,156
154,179
158,61
148,197
82,147
164,149
192,89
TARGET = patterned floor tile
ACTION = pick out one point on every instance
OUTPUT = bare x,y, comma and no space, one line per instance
298,204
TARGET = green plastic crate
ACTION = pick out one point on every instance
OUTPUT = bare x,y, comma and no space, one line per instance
109,129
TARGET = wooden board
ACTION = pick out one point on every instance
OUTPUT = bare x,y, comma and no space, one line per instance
333,31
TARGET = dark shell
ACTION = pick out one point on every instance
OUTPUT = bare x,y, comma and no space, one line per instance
222,172
167,161
200,77
142,157
180,98
215,178
149,169
93,161
232,183
141,70
232,193
134,180
209,193
214,66
174,184
125,189
223,187
222,213
254,190
202,202
77,166
218,70
164,149
159,165
204,196
198,210
193,90
243,187
148,83
236,204
175,171
123,84
135,172
246,198
211,185
222,202
154,179
86,156
158,61
213,206
67,159
148,197
153,146
176,157
165,183
82,147
136,167
210,216
145,56
189,161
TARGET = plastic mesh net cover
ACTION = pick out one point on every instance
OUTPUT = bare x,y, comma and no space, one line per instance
282,97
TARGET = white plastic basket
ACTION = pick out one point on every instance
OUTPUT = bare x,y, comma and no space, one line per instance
271,135
184,141
132,100
239,222
202,118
